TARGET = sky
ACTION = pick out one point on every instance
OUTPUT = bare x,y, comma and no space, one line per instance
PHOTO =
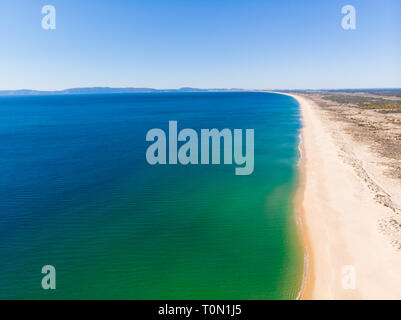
250,44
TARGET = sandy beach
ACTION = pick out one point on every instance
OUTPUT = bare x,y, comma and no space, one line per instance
349,213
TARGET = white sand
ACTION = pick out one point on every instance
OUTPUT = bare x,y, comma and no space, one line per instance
341,215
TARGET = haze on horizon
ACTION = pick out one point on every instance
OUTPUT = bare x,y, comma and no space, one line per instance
228,44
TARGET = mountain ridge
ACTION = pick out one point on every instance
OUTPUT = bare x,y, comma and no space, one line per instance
103,90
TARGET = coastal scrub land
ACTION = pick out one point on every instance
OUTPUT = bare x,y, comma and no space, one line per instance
373,119
351,204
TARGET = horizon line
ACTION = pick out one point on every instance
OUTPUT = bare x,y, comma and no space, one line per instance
108,89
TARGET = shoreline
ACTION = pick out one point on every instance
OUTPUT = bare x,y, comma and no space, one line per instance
307,279
306,288
338,214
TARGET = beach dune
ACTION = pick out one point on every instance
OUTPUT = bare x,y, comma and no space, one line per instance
347,255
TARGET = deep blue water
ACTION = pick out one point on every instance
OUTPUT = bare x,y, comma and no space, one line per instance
76,192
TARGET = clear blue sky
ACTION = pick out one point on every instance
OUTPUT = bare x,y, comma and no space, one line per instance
200,43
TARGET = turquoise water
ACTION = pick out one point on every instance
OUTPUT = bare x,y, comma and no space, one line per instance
77,193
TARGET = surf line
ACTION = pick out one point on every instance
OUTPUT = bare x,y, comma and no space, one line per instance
210,139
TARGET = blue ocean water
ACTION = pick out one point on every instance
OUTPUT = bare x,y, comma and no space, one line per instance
77,193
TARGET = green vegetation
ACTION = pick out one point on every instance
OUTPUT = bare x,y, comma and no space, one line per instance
377,92
392,108
363,102
388,93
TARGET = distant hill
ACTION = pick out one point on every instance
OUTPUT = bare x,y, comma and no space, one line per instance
103,90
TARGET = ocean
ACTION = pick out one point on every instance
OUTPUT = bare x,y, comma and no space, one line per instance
77,193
